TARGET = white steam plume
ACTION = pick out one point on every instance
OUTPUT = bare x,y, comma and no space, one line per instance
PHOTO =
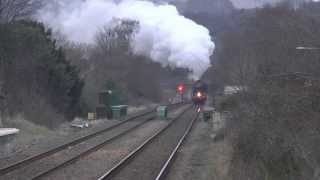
164,35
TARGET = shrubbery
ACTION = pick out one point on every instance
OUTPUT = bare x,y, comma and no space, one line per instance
274,127
36,79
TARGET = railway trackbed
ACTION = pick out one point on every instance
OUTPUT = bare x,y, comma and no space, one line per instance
40,165
153,158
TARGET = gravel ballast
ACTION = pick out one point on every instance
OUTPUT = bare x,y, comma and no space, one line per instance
94,165
78,170
148,163
57,158
203,156
41,139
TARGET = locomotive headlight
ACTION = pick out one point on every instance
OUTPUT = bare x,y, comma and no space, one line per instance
199,94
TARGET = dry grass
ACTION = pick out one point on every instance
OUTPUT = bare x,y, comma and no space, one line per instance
29,132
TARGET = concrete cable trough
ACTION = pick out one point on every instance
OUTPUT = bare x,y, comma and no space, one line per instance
7,137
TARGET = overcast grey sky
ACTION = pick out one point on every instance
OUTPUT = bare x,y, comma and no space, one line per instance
254,3
237,3
240,3
251,3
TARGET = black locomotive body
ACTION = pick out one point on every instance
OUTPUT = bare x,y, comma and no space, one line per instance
199,93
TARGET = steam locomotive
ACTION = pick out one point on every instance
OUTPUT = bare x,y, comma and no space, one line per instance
199,93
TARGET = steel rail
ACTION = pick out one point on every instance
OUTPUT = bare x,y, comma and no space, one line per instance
39,156
166,167
91,150
88,152
117,168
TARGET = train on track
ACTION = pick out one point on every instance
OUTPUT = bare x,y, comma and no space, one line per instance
199,93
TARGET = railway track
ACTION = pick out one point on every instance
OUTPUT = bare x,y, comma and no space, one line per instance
153,158
127,125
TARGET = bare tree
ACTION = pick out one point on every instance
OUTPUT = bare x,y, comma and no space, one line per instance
116,39
271,123
11,10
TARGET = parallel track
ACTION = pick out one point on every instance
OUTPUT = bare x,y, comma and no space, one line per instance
117,169
40,156
166,167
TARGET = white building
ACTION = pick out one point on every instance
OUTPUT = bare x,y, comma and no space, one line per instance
229,90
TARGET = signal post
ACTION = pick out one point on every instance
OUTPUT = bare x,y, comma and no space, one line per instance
180,88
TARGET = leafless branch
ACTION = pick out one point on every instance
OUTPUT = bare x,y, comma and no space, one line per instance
11,10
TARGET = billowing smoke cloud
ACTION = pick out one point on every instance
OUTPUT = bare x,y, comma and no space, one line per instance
164,35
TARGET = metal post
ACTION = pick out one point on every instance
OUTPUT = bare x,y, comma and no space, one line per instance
2,106
2,109
1,124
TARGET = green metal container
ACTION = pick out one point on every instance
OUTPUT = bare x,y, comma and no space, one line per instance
162,112
118,112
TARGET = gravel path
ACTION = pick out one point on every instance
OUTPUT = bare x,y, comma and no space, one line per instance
149,162
202,157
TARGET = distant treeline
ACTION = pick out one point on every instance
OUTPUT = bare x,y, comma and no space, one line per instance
49,80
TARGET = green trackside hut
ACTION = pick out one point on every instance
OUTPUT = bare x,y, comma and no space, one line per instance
119,112
162,112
